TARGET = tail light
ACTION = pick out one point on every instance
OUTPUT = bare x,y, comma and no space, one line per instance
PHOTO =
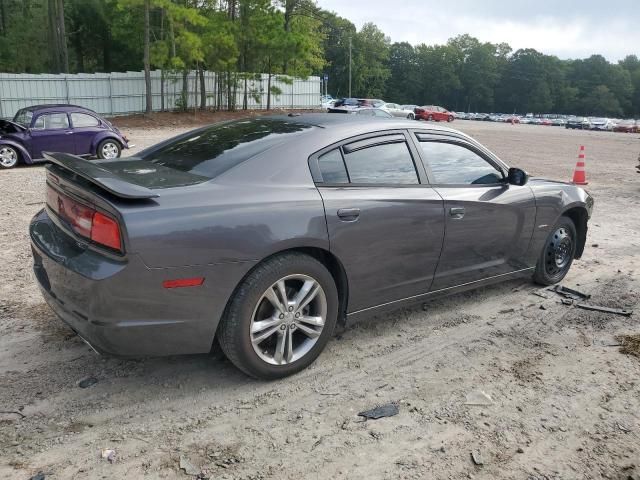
85,221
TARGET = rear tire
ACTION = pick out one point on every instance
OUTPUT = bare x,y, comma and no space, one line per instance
450,118
9,156
430,118
109,149
411,116
268,341
557,253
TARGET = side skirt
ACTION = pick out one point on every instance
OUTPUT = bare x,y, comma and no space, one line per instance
359,315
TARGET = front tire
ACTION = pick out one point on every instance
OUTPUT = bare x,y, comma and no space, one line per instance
430,118
411,116
557,253
281,317
109,149
9,156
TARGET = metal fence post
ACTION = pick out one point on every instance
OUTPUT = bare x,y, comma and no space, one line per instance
66,86
110,95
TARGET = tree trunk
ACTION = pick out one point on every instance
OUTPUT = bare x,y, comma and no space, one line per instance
162,90
185,89
289,6
52,35
3,18
147,65
62,36
203,91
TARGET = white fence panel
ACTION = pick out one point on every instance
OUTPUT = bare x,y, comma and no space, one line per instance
122,93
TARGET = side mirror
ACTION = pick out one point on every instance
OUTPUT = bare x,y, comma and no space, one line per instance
517,176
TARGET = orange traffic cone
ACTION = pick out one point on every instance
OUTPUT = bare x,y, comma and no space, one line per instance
579,174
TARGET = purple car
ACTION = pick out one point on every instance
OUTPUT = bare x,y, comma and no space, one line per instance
57,128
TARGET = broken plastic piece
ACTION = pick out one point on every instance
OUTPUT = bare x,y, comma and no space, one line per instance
388,410
598,308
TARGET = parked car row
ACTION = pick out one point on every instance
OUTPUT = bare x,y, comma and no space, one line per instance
567,121
410,112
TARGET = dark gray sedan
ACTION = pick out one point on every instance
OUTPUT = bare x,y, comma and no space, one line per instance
265,233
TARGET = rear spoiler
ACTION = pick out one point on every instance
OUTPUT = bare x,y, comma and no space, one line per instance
99,176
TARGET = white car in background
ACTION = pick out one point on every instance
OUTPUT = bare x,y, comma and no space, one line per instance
398,110
605,124
327,101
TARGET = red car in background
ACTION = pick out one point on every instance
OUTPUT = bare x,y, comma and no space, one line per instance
433,112
627,126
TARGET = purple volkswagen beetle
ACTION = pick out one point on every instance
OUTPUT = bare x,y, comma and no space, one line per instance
57,128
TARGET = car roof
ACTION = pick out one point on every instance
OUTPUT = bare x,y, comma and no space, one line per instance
65,107
356,125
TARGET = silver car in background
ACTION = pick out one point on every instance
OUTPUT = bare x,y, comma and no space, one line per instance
398,110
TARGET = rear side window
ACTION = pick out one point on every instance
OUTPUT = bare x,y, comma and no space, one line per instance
332,168
80,120
454,164
389,163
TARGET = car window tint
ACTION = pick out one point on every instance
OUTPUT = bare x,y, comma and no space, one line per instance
387,163
332,168
212,150
454,164
80,120
52,121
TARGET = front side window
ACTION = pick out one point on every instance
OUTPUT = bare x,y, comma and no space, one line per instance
51,121
389,163
453,164
23,117
80,120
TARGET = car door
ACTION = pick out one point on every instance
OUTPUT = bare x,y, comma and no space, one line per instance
488,223
51,132
85,128
384,223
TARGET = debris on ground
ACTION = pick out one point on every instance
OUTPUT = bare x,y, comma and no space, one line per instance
388,410
109,454
507,310
567,301
188,467
476,456
629,344
599,308
540,293
478,397
570,293
87,382
38,476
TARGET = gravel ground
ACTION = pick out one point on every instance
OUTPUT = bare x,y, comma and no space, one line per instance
565,402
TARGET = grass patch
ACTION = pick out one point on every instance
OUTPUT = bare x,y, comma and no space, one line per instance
629,344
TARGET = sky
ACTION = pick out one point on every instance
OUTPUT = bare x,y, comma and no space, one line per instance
566,28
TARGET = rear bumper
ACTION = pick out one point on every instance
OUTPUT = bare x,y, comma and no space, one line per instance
120,307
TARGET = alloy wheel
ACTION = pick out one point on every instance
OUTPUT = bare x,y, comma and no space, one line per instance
288,319
109,150
8,157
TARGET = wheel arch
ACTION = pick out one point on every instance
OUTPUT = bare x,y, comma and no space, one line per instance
23,154
326,258
580,217
101,137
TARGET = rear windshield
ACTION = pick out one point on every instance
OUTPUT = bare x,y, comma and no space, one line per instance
211,151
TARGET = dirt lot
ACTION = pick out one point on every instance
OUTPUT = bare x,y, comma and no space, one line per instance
565,400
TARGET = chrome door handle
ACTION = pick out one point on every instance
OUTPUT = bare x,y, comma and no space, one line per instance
456,212
348,214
